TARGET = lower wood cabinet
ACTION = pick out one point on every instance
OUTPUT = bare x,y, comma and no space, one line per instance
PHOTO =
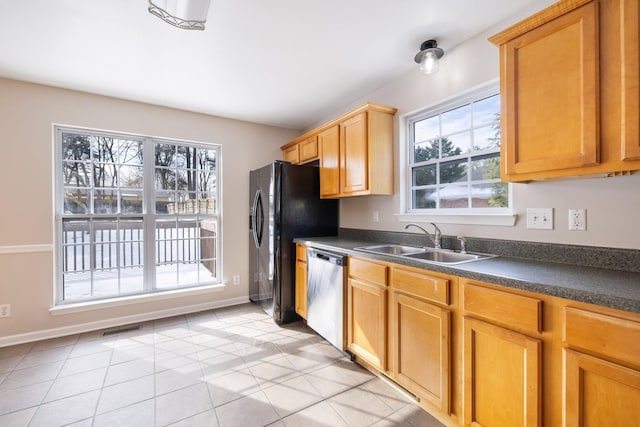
481,354
367,312
502,366
420,335
502,371
601,369
301,281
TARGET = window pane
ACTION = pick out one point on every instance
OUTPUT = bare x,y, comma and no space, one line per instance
426,151
490,195
105,201
131,176
454,145
485,167
76,201
424,199
165,179
77,174
131,153
424,175
485,138
76,147
426,129
486,111
166,202
455,171
104,175
164,154
456,120
454,197
131,201
105,149
207,203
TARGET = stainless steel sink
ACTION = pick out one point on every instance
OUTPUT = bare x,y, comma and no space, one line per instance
392,249
446,257
427,255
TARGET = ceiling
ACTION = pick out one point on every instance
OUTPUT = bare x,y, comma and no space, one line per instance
286,63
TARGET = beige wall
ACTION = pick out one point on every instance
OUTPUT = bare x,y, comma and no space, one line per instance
27,113
612,204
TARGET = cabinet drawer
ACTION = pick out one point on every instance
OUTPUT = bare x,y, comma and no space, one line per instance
369,271
301,252
421,285
602,334
514,311
309,149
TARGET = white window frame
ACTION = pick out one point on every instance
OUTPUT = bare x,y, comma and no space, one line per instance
149,217
477,216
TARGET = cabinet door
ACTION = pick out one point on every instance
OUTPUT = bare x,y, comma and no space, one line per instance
329,143
301,288
630,47
501,376
550,107
599,393
421,348
309,149
292,155
366,322
354,169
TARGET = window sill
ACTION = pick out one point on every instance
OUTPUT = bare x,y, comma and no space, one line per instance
133,299
497,219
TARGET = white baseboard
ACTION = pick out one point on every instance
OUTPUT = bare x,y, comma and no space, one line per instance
117,321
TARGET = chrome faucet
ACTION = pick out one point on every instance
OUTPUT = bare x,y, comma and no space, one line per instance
436,238
463,244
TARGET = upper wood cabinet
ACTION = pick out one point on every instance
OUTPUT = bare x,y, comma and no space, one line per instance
570,91
355,152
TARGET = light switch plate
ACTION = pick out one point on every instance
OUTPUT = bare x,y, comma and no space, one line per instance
540,218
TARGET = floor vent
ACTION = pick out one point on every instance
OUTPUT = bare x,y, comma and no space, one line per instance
123,329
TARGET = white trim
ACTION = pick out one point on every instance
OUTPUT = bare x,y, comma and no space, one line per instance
118,321
133,299
25,249
503,219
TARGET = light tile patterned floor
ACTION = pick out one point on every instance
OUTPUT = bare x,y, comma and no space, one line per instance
227,367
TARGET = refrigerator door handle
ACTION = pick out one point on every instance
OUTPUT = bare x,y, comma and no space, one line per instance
258,215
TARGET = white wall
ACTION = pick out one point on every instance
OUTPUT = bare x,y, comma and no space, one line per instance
27,115
612,203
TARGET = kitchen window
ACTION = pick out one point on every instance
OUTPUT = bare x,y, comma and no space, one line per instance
453,158
135,214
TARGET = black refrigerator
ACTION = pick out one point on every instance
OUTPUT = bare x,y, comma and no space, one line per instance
284,204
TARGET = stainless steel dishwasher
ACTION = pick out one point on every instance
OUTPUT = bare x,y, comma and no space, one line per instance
326,295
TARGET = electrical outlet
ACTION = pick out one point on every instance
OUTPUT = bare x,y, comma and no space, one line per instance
376,216
578,219
5,310
236,280
540,218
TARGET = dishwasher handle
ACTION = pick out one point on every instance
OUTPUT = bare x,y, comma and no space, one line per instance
331,257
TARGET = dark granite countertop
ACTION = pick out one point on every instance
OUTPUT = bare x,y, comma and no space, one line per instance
595,285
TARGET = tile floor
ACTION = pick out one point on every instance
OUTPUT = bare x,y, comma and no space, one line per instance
226,367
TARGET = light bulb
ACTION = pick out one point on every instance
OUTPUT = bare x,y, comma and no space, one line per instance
429,63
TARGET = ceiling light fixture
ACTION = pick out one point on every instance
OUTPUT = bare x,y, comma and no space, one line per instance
429,57
187,14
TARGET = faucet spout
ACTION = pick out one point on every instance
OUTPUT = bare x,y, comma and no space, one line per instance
436,238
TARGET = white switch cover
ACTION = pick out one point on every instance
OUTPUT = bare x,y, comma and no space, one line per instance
578,219
540,218
376,216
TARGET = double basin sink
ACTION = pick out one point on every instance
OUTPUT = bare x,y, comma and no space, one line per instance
428,255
